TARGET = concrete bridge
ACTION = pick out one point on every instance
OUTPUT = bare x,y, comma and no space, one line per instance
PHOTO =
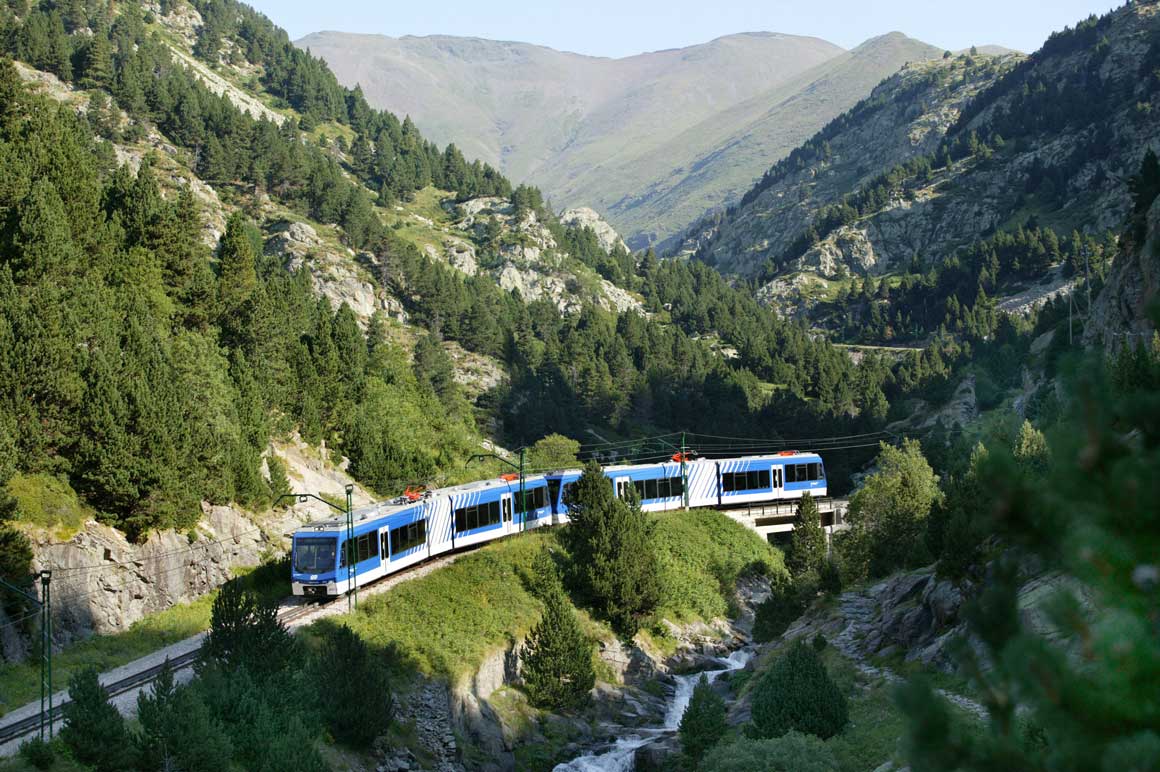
774,520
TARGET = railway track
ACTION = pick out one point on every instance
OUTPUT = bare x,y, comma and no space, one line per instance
27,726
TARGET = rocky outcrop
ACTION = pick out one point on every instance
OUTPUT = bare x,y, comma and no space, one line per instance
906,116
334,272
1120,311
527,259
584,217
103,583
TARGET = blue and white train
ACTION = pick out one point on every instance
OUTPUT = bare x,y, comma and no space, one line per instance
390,536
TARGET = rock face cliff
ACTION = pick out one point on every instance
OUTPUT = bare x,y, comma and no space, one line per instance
1121,311
1052,138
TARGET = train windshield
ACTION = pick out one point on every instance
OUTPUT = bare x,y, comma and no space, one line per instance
314,555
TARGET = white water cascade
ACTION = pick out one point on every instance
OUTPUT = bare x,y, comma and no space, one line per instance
621,757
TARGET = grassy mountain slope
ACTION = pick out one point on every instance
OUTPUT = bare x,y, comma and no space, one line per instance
713,163
650,141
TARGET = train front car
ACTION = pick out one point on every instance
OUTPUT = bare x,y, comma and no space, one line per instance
314,560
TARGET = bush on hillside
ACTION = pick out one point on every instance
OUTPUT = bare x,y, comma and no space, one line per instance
703,724
354,694
798,694
778,611
888,514
830,577
557,661
93,730
792,752
38,753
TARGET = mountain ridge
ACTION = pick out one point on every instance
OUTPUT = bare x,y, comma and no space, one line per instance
612,146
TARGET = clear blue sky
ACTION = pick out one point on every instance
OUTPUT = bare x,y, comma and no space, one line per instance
625,27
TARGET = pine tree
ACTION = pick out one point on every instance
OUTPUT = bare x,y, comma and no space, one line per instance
1051,705
703,724
557,660
93,730
614,559
237,274
178,731
797,693
245,633
807,547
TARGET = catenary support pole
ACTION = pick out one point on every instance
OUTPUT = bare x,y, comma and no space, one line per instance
351,573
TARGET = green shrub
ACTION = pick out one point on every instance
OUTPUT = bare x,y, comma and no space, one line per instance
792,752
354,695
38,753
777,612
830,578
819,643
703,724
558,670
798,694
93,730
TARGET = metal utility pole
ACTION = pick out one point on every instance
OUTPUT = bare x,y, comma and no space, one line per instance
46,652
44,606
351,574
348,549
684,475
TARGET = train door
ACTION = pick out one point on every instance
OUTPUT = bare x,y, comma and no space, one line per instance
621,486
510,524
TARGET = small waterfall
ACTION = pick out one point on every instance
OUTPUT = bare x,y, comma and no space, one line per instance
621,757
687,683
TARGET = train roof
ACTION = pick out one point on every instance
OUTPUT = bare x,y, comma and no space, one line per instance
383,509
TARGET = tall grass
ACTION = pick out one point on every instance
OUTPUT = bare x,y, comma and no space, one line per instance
448,622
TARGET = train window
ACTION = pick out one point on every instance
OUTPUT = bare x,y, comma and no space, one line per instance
535,498
364,547
813,471
507,510
385,547
553,491
314,555
470,518
676,486
757,479
790,473
408,536
650,490
569,492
